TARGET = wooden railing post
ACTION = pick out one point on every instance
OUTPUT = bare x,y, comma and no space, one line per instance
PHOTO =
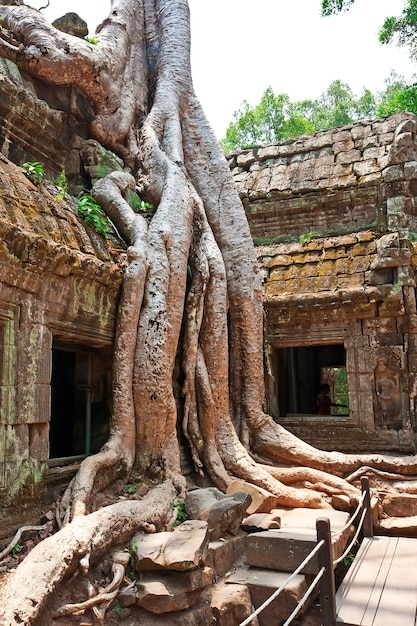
368,527
327,584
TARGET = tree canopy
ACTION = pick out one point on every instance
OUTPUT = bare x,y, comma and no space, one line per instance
276,118
401,28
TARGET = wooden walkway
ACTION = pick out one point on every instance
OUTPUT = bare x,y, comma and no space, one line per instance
380,588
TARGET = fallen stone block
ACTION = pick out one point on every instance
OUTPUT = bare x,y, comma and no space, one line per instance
232,604
198,615
223,513
164,595
261,521
399,505
185,548
262,501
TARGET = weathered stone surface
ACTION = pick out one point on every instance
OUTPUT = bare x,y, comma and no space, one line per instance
399,505
172,592
262,584
397,526
261,521
185,548
262,501
354,159
285,549
232,604
199,615
224,553
223,513
72,24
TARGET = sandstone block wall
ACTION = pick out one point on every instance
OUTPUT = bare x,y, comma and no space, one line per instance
337,181
58,281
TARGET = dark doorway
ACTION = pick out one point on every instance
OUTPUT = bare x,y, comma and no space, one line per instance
299,373
80,399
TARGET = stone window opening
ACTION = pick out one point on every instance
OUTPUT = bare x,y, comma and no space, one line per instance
299,372
80,401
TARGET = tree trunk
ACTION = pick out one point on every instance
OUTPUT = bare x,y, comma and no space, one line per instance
191,295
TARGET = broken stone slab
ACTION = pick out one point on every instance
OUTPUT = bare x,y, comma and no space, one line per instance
185,548
262,583
261,521
168,592
397,526
232,604
223,513
262,500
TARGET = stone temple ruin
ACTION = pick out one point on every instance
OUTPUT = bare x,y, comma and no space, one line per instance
333,216
334,219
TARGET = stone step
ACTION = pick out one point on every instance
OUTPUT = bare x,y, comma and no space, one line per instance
262,583
284,549
224,554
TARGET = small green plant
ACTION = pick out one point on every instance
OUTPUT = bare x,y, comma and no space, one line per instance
62,184
130,488
92,40
117,609
181,512
34,170
16,548
93,214
131,571
348,559
307,237
137,204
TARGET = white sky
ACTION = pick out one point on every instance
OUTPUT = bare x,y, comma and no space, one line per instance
239,47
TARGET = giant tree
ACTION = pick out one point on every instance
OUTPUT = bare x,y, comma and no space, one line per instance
191,299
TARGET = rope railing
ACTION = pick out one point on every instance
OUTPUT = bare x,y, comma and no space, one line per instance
324,550
353,517
305,597
352,543
284,584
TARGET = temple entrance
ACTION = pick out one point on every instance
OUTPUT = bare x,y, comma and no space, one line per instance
299,373
80,399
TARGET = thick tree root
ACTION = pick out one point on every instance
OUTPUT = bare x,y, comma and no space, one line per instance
103,598
25,591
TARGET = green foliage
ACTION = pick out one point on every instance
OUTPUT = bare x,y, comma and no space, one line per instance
62,184
93,214
131,570
276,118
402,27
265,241
34,170
348,559
398,96
307,237
16,548
137,204
117,609
92,40
181,512
329,7
130,489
